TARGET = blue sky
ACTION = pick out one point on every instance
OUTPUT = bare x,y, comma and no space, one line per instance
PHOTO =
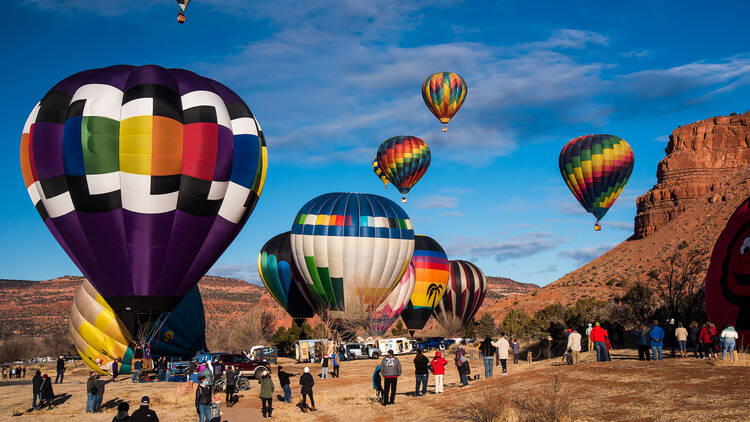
330,80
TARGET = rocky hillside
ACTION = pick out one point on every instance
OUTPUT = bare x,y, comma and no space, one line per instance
500,287
701,181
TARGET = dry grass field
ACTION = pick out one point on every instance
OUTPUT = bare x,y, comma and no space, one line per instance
622,390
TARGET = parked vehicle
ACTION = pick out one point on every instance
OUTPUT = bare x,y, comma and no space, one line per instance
310,350
399,345
354,351
432,343
268,353
248,367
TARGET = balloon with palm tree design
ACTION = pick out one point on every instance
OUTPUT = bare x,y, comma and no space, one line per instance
431,266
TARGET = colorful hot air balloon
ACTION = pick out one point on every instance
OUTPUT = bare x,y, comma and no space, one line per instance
181,13
144,175
467,287
379,172
184,331
444,93
282,278
352,248
391,308
728,276
596,169
432,271
404,160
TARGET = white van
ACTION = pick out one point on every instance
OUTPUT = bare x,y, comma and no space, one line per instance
399,345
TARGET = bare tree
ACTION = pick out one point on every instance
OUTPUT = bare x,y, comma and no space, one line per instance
450,324
680,280
353,321
252,328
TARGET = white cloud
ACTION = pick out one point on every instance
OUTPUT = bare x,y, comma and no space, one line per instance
511,247
586,254
246,272
437,202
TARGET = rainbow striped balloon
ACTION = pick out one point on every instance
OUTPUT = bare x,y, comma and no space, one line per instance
444,93
404,160
596,169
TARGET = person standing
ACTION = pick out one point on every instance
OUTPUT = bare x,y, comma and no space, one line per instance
574,345
503,347
99,394
335,358
643,342
438,369
115,369
516,346
681,336
421,363
670,340
457,360
231,385
285,384
36,388
122,412
657,340
24,372
390,367
60,370
91,392
488,351
307,382
730,336
144,413
590,340
266,394
137,369
162,371
377,384
704,338
208,373
47,394
599,338
693,331
324,367
203,400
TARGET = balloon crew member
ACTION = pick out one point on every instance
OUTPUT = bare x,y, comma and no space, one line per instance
307,382
390,367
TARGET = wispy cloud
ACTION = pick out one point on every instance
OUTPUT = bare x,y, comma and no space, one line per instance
584,255
437,202
512,247
246,272
619,225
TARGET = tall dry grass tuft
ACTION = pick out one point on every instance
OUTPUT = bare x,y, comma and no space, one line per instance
493,407
551,405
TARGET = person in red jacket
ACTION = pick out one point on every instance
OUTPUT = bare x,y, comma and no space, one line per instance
599,337
704,338
438,368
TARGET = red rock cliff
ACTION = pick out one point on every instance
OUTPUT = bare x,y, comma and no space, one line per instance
700,158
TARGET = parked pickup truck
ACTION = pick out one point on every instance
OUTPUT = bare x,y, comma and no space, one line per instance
247,367
434,343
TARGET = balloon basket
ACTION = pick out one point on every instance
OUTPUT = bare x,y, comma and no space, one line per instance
597,227
403,199
180,17
445,128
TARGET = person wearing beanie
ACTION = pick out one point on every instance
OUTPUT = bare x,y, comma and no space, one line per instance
438,369
122,412
307,382
47,394
390,367
266,394
144,413
36,387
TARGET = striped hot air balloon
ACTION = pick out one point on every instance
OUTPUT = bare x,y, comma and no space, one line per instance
391,308
444,93
596,169
432,272
404,160
351,249
467,287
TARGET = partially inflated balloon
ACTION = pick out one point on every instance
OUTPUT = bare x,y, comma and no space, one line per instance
352,248
184,331
391,308
404,160
379,172
444,93
144,175
432,271
467,287
282,278
596,169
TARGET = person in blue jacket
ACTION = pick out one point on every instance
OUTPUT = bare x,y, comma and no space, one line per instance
377,383
657,340
335,360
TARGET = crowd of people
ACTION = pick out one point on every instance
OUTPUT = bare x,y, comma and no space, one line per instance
706,340
14,372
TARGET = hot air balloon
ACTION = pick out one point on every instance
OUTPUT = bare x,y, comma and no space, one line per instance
596,169
391,308
432,271
352,249
404,160
282,278
727,286
379,172
181,13
100,337
466,289
444,93
144,175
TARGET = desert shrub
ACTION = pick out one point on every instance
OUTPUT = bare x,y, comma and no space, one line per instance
552,404
517,324
486,326
399,329
491,408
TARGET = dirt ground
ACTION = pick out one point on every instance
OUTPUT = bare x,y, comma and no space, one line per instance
622,390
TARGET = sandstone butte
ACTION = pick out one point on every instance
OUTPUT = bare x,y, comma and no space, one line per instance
700,182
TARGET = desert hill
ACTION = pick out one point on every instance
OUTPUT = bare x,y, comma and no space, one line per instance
701,181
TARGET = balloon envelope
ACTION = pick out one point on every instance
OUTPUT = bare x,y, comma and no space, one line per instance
391,308
184,331
467,287
282,278
444,93
379,172
596,169
404,160
432,272
351,248
144,175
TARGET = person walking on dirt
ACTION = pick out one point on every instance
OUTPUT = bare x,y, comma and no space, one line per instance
574,345
231,385
144,413
704,338
516,346
36,388
657,340
284,383
599,337
47,394
681,336
503,347
324,361
729,336
335,358
421,363
377,384
590,341
307,382
266,394
390,367
60,370
438,365
203,400
488,351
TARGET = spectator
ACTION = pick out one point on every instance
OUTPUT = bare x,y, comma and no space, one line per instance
657,340
546,345
208,373
714,340
574,345
324,367
488,351
464,370
203,400
377,385
99,395
266,394
231,385
137,369
516,346
122,412
60,370
590,341
707,331
730,336
643,342
502,352
115,370
390,367
335,358
670,340
144,413
438,365
24,372
91,391
36,387
421,363
47,394
681,336
599,337
459,365
161,370
284,383
693,335
307,382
